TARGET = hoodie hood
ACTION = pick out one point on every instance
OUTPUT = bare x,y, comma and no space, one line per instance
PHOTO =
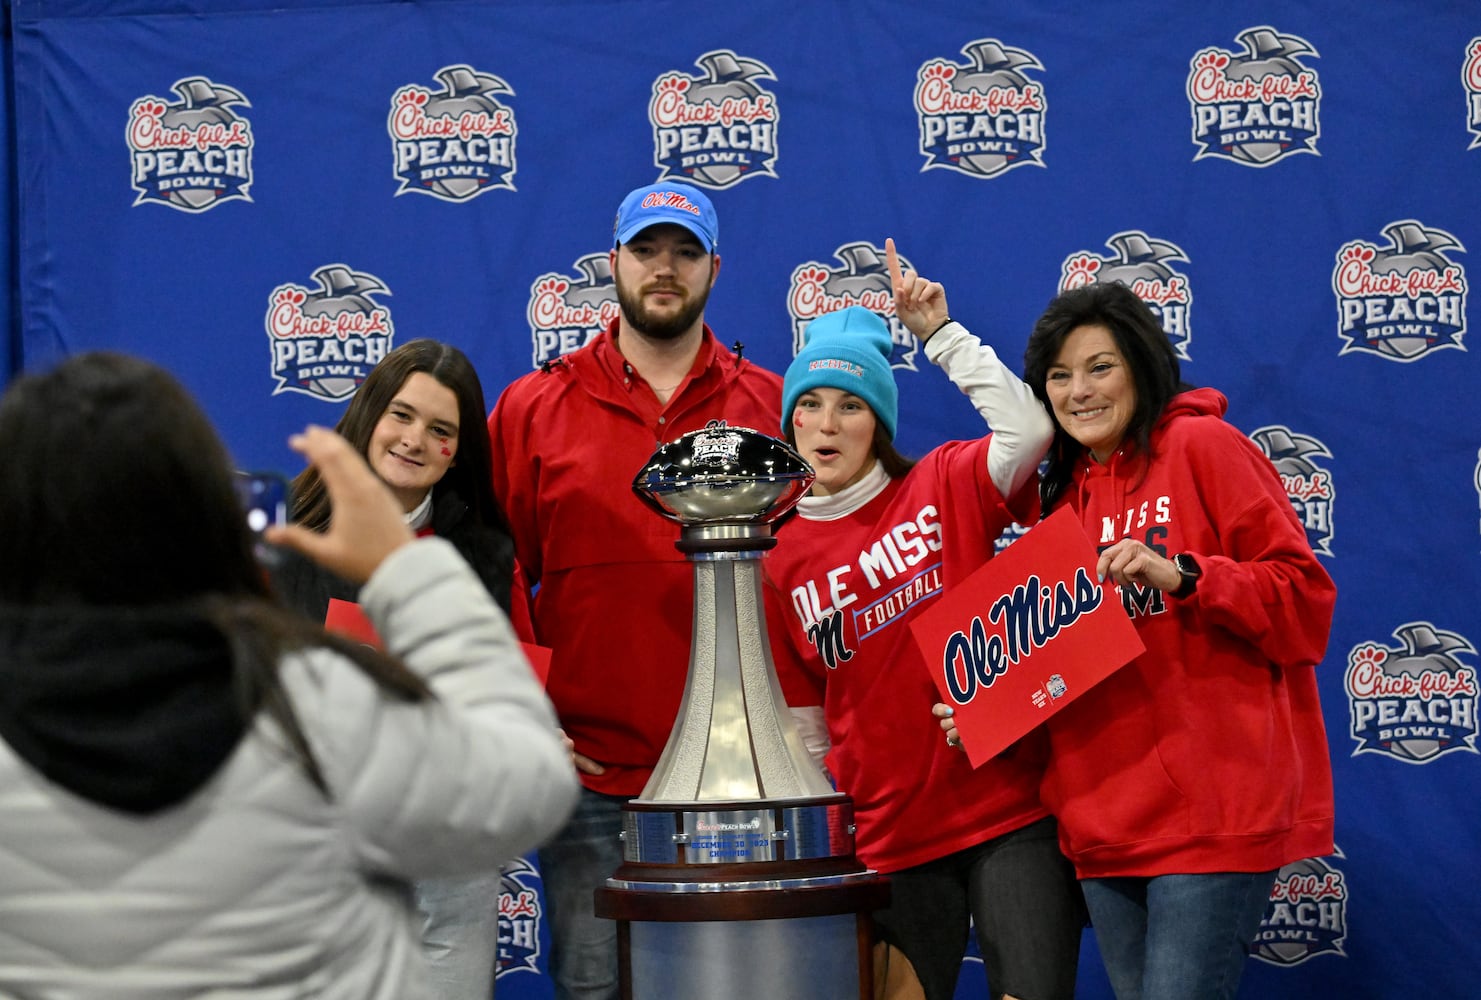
130,708
1193,403
1127,464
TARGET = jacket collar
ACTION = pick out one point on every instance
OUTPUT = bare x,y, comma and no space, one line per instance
602,371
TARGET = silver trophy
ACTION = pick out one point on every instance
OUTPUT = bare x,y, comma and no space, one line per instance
738,846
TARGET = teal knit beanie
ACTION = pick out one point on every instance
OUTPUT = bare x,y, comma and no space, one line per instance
848,350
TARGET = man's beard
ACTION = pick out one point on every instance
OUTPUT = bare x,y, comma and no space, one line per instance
655,327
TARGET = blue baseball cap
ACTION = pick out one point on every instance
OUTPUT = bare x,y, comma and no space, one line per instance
670,202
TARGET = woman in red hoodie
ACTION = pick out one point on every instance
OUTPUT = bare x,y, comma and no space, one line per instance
1184,781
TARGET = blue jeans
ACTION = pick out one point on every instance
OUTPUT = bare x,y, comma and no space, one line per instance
1177,937
577,862
460,934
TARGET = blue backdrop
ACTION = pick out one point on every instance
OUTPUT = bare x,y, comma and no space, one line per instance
265,197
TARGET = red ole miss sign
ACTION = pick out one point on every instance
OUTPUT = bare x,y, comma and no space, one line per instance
1024,636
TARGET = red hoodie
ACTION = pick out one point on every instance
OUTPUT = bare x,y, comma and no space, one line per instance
1207,753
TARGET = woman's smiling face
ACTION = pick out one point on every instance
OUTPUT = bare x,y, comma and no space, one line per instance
1091,390
416,439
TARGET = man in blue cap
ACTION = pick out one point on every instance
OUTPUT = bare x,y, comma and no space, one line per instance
615,600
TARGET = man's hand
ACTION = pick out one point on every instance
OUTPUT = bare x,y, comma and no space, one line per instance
579,761
367,525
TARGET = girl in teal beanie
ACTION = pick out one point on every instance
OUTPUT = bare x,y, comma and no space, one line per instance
877,540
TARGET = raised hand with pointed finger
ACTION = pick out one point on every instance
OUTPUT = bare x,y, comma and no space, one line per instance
920,304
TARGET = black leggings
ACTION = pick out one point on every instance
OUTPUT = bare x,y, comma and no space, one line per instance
1022,896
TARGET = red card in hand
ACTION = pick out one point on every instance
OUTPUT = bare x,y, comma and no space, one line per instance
539,657
1024,636
345,618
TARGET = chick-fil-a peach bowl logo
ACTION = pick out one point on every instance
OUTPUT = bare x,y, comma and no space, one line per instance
1258,106
1404,300
1414,702
192,154
1142,263
983,117
456,142
326,340
1470,75
565,313
862,280
716,128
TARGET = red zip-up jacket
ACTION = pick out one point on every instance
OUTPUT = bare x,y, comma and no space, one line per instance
615,599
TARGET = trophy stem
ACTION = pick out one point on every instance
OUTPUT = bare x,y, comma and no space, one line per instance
733,738
738,846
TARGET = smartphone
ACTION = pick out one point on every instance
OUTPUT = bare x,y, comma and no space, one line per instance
264,498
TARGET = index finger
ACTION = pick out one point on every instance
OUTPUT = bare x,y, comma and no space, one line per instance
326,450
313,442
341,467
892,261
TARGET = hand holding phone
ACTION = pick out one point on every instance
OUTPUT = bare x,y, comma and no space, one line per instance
368,523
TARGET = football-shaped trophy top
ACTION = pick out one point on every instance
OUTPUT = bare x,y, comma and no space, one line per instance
724,475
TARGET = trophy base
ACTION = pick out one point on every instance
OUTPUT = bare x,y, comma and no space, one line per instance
795,937
743,899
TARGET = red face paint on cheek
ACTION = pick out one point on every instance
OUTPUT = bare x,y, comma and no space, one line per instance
797,422
445,450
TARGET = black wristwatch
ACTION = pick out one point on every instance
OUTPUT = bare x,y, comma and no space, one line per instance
1190,570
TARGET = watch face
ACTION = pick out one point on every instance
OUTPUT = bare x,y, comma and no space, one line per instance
1188,569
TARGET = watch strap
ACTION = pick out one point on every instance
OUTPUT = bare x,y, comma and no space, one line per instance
1190,570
